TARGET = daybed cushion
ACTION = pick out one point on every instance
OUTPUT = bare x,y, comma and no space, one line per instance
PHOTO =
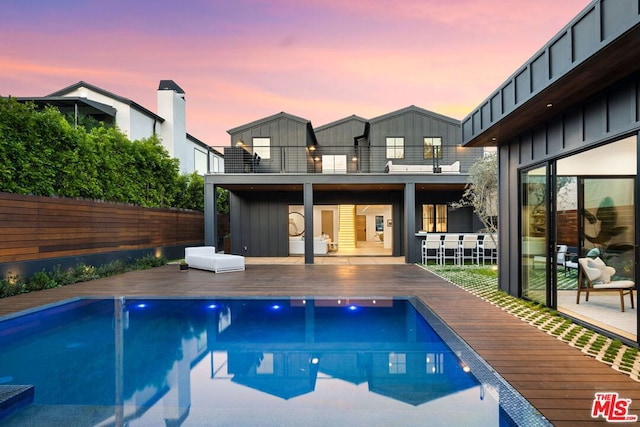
206,258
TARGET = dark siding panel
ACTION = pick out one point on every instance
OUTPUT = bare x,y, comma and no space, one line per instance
620,111
510,241
617,14
594,120
486,115
586,36
467,128
560,56
265,223
539,72
477,123
523,86
555,136
539,143
526,150
573,129
462,221
508,96
496,107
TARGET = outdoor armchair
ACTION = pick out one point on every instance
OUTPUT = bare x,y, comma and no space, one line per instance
595,276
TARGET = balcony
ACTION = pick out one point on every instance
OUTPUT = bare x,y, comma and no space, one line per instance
346,160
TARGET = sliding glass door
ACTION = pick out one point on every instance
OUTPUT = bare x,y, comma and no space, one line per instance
608,222
534,220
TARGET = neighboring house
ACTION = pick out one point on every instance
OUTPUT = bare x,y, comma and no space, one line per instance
346,186
567,125
137,122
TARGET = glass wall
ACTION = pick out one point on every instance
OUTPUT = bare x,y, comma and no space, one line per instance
533,224
595,217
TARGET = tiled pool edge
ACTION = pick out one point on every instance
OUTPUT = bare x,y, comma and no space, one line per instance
586,340
14,397
520,410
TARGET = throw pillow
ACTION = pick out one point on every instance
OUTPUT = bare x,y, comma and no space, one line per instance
605,272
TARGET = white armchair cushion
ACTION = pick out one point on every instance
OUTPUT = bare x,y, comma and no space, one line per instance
605,271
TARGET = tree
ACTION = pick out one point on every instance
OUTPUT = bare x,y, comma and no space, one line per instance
42,154
190,192
481,192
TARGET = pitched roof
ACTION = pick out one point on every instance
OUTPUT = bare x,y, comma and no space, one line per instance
63,101
132,104
413,108
341,121
281,115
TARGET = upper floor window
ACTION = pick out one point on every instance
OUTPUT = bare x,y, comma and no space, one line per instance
395,148
432,145
262,147
334,163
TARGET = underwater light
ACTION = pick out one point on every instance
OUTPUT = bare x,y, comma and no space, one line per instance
141,305
212,306
353,307
275,307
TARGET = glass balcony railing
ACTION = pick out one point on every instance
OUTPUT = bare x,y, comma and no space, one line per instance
347,160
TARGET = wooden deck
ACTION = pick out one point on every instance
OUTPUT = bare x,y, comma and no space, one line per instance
557,379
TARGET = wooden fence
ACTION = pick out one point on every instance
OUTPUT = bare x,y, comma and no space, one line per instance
39,228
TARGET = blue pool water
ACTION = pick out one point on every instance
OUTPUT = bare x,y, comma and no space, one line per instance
246,362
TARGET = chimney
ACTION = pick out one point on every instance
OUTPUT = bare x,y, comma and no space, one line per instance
173,132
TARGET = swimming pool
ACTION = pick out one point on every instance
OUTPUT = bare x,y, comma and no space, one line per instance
239,362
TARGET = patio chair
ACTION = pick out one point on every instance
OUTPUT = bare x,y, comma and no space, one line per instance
467,248
449,248
431,248
595,276
488,249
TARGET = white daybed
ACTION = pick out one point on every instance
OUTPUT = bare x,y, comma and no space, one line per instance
391,168
206,258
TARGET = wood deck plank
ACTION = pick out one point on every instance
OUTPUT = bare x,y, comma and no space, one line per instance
559,380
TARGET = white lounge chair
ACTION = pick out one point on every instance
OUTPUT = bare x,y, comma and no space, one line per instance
206,258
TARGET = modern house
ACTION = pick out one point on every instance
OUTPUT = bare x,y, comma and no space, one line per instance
566,125
137,122
353,186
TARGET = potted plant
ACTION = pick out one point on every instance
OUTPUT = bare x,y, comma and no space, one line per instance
183,265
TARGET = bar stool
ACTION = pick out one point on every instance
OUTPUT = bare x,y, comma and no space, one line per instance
431,248
449,248
467,248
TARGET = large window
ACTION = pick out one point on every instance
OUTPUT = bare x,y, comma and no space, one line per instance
434,218
334,163
200,161
432,147
395,148
262,147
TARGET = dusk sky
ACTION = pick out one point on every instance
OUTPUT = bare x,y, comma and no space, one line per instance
242,60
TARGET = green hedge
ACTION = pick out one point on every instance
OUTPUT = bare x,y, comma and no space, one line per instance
41,153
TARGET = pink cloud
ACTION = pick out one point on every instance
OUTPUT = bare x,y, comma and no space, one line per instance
322,60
